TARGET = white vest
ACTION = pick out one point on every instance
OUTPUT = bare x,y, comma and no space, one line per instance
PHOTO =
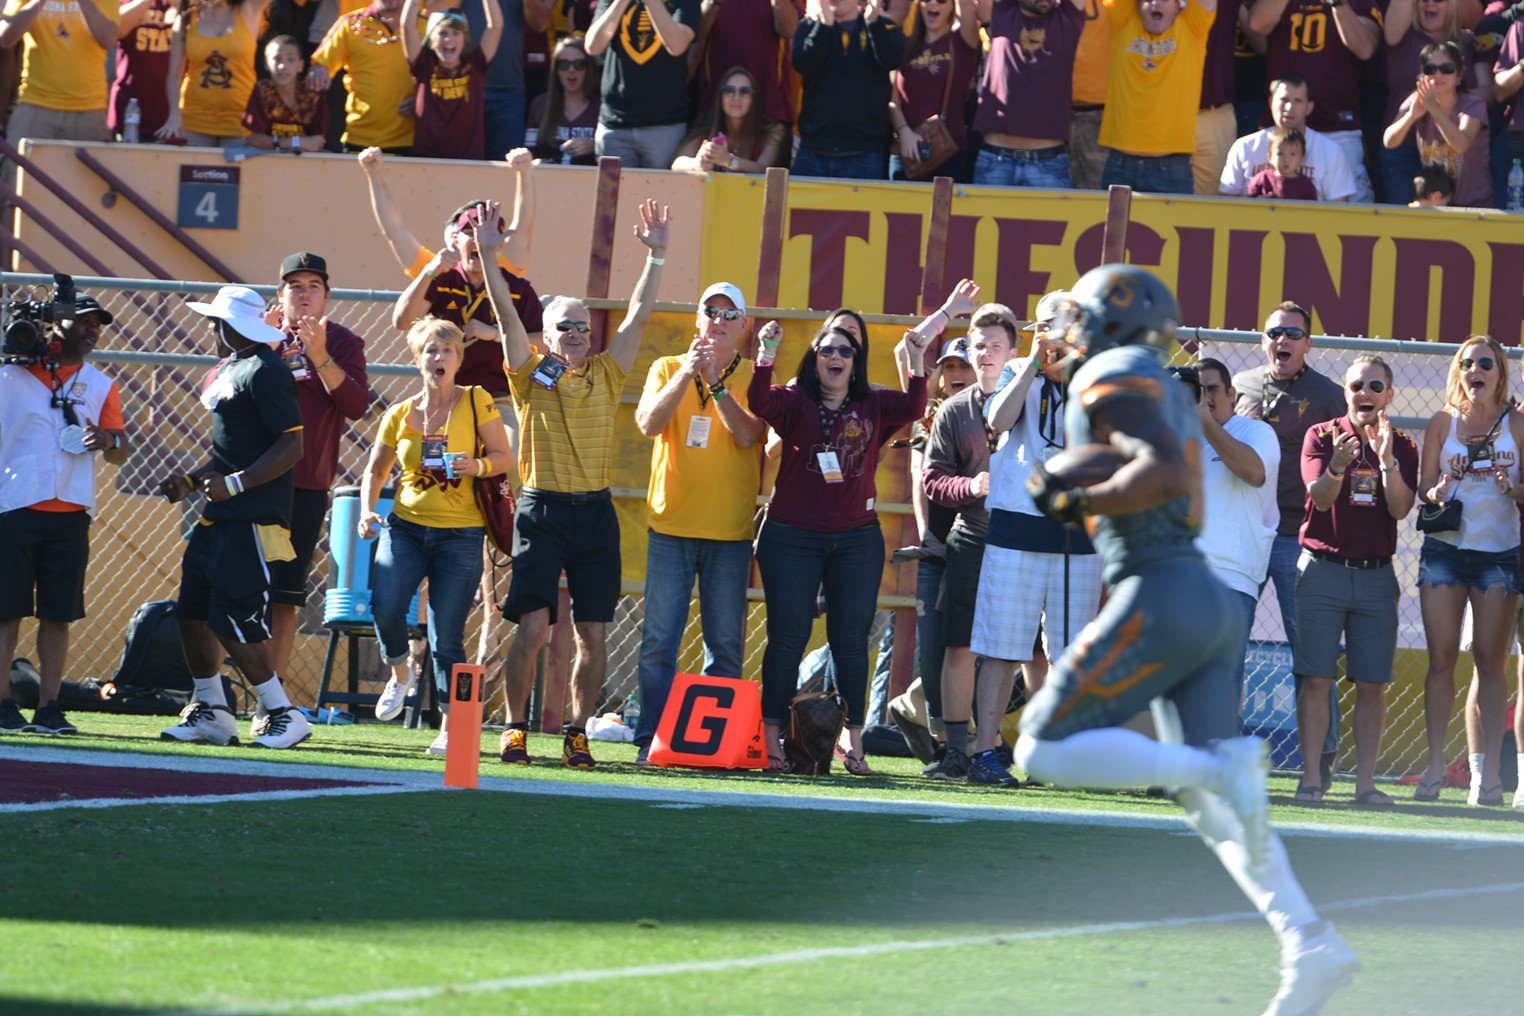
33,468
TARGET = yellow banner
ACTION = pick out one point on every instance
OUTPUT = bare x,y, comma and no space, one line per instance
1363,271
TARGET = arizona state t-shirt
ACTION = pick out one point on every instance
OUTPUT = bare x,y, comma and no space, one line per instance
643,84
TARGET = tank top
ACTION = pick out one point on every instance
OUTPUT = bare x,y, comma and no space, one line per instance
219,78
1490,519
142,64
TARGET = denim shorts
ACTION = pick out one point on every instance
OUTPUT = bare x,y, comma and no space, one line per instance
1443,564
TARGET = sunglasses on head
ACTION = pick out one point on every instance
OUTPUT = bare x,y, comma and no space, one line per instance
580,327
571,63
1480,363
1444,68
735,89
845,352
723,314
1376,387
1293,334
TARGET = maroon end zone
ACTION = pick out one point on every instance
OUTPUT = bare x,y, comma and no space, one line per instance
45,782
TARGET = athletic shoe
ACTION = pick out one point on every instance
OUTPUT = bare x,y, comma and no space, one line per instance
389,705
1241,780
1518,795
204,724
643,756
952,766
513,748
50,719
260,724
574,753
984,767
287,728
11,720
1311,974
440,744
1007,755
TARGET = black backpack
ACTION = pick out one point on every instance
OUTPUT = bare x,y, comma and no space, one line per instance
154,657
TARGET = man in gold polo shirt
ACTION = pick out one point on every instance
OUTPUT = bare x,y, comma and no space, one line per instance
566,400
705,466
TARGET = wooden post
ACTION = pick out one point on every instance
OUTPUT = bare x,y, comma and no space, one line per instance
933,274
774,212
1118,214
601,257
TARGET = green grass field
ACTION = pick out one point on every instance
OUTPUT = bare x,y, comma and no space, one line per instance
647,891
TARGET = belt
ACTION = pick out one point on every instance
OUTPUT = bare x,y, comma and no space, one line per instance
1088,107
1359,563
1026,154
558,497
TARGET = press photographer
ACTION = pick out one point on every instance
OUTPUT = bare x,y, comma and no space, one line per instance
56,414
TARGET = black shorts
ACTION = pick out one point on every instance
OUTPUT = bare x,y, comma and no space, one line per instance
960,588
288,579
225,581
45,553
577,533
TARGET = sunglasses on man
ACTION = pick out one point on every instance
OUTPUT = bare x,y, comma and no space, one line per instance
723,314
580,327
1376,387
1290,334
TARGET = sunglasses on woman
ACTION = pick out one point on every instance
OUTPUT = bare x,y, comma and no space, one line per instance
723,314
735,89
1433,69
1376,387
577,64
1481,363
580,327
845,352
1291,334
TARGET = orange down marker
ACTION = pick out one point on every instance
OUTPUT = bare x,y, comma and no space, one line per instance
463,755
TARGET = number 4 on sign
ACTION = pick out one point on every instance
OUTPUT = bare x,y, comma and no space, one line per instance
206,208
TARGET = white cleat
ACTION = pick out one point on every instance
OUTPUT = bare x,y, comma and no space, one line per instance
441,745
1311,974
389,705
204,724
260,723
285,728
1242,780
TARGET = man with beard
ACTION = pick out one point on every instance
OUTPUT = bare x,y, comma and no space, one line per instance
1361,474
1025,97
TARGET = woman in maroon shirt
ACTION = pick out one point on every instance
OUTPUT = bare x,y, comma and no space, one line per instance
941,58
567,114
821,529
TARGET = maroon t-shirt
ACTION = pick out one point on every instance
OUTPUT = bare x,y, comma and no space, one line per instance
451,108
742,35
1219,76
452,297
1403,65
324,413
548,146
1349,529
922,84
1266,184
1511,54
1334,72
142,64
1029,92
1472,169
267,112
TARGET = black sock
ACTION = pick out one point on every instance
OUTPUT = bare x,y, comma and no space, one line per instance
574,731
957,734
523,725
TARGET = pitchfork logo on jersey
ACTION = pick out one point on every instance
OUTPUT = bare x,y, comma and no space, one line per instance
641,42
217,74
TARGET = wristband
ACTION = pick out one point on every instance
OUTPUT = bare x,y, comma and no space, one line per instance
234,482
658,262
483,468
190,481
323,364
718,390
116,441
1336,476
432,276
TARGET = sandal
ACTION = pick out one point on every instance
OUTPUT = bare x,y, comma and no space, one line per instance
1489,797
1374,798
1428,790
856,765
778,763
1306,794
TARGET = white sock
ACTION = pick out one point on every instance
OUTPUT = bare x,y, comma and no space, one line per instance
1520,769
1476,761
1113,757
209,690
271,695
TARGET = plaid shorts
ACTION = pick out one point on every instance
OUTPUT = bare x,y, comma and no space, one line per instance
1020,589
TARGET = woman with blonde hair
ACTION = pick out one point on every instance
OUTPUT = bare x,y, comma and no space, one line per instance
212,56
1471,454
443,438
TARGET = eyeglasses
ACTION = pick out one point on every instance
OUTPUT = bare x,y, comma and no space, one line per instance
845,352
723,313
1444,68
1481,363
1376,387
1290,334
736,89
577,64
580,327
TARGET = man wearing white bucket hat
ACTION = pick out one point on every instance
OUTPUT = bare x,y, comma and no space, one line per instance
224,603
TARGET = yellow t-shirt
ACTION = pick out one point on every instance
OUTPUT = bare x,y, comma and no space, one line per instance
1092,62
379,80
703,485
1155,86
219,78
427,497
566,435
62,66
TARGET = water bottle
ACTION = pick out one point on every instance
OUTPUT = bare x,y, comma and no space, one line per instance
631,715
134,119
1516,187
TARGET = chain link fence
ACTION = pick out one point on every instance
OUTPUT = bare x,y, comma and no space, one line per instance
158,353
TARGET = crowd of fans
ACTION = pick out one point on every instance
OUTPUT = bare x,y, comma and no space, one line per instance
1405,101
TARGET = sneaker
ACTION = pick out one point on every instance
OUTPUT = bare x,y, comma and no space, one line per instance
574,753
50,719
286,728
643,756
1311,974
952,766
1241,780
261,722
513,748
440,744
985,767
204,724
1518,795
389,705
11,720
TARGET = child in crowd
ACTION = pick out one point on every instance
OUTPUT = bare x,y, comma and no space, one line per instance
283,112
1283,178
1432,188
452,83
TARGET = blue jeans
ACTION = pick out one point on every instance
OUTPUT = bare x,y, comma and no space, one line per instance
505,121
795,563
1010,169
929,647
1284,553
451,559
723,568
863,166
1247,603
1398,168
1164,174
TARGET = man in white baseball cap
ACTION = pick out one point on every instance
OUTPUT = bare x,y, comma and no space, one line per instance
225,598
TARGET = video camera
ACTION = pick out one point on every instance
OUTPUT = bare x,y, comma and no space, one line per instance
26,340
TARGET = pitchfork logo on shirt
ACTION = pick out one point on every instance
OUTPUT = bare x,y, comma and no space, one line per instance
217,73
637,33
1151,50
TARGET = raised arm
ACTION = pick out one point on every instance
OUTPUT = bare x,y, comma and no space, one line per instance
1360,34
412,42
652,232
968,23
14,27
412,302
102,25
399,238
492,32
675,36
489,241
1398,19
521,229
1265,15
537,14
601,32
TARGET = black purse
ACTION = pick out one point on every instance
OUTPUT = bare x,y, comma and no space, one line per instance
1446,518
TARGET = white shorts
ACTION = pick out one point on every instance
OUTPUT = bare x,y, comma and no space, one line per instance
1020,588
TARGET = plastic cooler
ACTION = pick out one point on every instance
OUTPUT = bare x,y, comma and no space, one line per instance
1270,702
347,600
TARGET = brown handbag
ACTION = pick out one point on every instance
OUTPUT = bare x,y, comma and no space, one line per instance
495,498
933,131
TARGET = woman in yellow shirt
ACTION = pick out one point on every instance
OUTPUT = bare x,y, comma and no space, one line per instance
442,438
211,70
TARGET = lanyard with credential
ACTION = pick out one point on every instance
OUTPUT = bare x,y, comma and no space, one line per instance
703,389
